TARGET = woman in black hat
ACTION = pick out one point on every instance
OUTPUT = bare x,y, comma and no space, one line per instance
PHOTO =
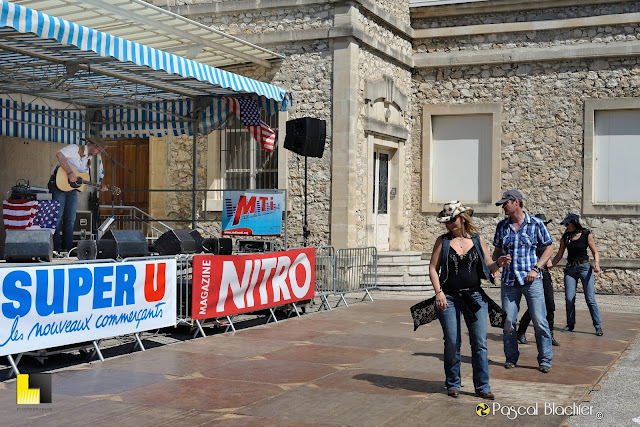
576,240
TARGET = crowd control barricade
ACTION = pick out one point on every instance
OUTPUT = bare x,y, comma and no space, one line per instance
355,270
325,266
184,282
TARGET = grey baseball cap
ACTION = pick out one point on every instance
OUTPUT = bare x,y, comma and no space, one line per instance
509,195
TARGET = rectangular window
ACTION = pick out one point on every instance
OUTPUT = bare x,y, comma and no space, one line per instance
461,155
617,148
611,147
244,164
461,168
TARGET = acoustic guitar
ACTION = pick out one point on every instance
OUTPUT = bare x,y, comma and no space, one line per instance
63,183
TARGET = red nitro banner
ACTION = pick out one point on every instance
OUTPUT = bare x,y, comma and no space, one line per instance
232,284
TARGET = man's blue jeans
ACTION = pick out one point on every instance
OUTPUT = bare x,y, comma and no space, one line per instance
534,294
63,237
584,272
450,320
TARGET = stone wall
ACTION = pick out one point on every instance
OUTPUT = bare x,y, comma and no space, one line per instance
384,33
308,72
543,105
180,177
397,8
272,20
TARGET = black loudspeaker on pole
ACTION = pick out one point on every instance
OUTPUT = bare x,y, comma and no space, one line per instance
306,136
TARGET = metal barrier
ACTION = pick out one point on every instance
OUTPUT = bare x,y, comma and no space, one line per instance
184,309
325,266
356,269
337,273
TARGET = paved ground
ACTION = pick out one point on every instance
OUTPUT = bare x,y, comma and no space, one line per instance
358,366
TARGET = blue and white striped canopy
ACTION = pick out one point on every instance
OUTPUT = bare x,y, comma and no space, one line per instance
89,71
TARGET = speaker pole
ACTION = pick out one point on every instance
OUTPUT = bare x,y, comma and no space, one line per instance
305,227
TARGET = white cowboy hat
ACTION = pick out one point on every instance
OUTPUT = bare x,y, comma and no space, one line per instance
451,210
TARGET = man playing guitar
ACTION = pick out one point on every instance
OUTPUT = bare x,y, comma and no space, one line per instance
78,157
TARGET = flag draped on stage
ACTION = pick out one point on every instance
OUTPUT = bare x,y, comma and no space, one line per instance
47,215
18,213
246,109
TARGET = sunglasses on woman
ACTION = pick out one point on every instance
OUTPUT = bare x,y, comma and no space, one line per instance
452,220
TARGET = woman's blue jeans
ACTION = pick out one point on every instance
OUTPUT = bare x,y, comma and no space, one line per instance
450,319
584,272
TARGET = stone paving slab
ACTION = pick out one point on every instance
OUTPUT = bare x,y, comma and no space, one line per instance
361,365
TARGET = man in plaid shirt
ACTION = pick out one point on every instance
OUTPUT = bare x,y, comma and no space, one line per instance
518,236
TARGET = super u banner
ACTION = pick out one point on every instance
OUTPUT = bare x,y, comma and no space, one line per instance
226,285
50,306
248,213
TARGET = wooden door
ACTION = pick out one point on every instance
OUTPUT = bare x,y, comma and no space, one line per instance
134,155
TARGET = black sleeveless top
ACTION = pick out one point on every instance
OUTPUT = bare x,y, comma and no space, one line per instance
577,249
464,271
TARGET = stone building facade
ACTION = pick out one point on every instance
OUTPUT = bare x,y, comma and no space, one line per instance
387,78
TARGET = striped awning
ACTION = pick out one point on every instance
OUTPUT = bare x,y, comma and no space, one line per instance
144,23
90,71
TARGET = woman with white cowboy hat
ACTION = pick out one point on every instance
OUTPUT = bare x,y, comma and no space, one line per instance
576,240
458,263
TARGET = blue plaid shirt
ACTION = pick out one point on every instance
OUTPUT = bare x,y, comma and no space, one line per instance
521,245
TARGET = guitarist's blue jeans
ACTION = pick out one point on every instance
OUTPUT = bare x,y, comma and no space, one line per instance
63,237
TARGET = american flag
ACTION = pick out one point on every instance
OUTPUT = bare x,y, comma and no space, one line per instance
18,213
246,109
47,215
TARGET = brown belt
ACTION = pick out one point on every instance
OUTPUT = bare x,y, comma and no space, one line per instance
574,263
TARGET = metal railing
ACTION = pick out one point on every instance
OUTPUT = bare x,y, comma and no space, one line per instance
356,269
133,218
337,273
325,266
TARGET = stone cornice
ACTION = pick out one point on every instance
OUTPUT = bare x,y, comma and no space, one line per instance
385,129
263,39
526,54
497,6
241,6
348,30
515,27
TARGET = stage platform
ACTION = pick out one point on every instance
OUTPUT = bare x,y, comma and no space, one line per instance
361,365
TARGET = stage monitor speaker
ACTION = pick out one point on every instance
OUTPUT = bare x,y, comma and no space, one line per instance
306,136
28,245
87,249
122,244
218,246
83,224
175,242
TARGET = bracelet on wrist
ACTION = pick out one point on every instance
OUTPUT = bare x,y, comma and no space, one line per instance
536,269
439,292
